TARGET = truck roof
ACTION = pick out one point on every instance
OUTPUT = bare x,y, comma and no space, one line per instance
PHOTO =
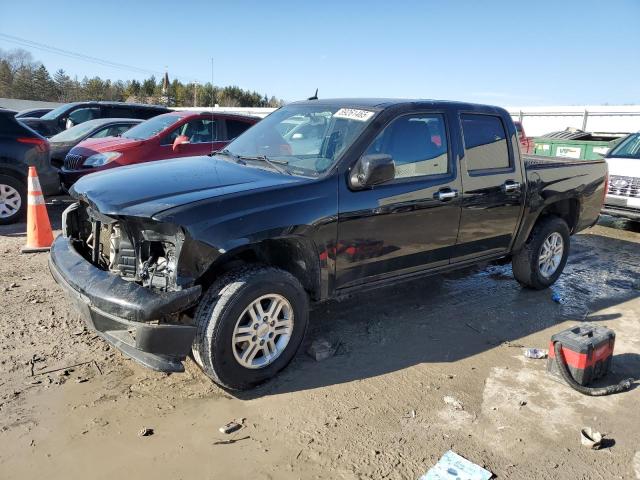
381,103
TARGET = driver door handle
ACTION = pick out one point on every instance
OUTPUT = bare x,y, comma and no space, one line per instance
445,194
510,186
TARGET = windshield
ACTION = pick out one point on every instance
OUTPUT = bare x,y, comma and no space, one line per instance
628,148
75,133
151,127
56,112
305,139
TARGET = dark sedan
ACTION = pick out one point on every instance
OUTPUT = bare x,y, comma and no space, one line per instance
100,128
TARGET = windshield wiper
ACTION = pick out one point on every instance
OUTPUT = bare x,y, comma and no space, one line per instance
227,153
275,164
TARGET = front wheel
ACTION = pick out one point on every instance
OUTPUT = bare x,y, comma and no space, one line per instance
250,323
541,260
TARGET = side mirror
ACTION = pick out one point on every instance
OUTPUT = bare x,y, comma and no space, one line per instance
180,140
372,170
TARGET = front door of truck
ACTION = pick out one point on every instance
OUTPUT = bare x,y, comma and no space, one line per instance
493,187
410,223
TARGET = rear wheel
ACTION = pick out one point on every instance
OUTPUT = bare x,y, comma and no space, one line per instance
250,323
13,199
542,259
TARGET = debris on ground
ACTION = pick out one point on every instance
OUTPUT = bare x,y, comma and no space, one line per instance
231,441
322,349
145,432
590,438
556,297
536,353
231,427
452,401
453,466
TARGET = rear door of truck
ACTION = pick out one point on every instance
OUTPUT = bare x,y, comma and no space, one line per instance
493,184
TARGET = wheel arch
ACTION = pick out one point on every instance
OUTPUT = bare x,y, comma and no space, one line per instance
568,209
17,173
291,254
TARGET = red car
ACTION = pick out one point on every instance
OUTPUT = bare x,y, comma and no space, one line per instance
171,135
526,143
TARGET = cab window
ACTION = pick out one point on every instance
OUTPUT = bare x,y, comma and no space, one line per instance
417,143
485,142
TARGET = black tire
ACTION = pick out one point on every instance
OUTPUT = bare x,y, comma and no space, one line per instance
21,188
525,262
221,307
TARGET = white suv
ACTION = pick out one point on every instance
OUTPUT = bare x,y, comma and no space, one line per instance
623,195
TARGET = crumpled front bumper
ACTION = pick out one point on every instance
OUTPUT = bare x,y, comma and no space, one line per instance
121,311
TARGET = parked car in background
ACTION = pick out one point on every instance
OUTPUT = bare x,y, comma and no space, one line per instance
33,112
526,143
176,134
64,141
20,148
221,256
71,114
623,195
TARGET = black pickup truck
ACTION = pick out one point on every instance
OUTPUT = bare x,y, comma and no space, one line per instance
220,256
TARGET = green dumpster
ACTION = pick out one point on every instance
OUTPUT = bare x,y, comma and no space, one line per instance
576,144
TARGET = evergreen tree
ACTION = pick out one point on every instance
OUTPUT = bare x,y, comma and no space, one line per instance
6,79
63,86
23,84
22,77
43,86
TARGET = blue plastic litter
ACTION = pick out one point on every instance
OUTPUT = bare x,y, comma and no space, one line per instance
556,297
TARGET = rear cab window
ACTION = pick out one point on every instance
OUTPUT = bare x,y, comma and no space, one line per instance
485,143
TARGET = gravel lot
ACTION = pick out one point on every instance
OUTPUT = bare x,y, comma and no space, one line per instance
376,409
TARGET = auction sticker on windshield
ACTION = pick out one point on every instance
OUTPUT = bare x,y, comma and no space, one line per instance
353,114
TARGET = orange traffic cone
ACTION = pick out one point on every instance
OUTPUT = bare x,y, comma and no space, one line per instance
39,234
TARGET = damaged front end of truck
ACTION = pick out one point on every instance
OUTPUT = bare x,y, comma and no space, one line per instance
134,281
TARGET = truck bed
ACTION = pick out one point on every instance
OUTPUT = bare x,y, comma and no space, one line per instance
539,161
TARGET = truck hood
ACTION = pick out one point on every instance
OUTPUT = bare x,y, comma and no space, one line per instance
147,189
626,167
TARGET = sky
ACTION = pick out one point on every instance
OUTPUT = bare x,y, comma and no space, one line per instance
508,53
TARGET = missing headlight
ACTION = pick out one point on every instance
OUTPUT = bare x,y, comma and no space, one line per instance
159,265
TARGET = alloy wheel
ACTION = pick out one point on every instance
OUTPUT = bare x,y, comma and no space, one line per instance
263,331
551,253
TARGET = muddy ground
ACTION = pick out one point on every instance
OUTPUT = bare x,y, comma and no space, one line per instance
374,410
